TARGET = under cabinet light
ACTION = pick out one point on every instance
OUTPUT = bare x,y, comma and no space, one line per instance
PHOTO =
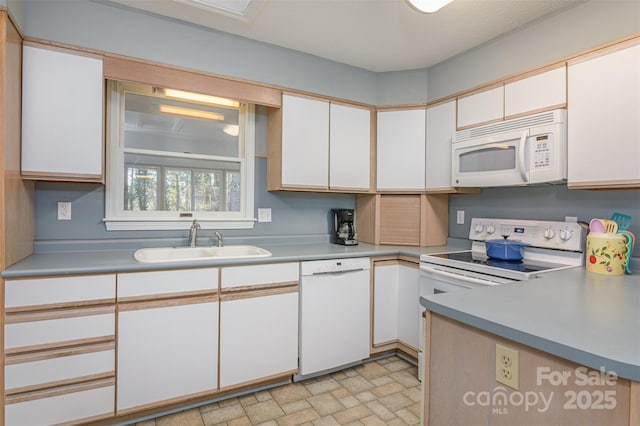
215,100
429,6
188,112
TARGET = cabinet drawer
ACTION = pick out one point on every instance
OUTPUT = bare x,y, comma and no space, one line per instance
260,275
86,402
38,292
46,369
50,329
183,281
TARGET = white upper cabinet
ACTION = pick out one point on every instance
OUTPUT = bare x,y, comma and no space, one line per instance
62,112
481,107
401,150
545,90
321,146
603,130
441,125
305,142
350,147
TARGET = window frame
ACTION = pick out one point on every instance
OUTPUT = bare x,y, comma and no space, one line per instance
118,219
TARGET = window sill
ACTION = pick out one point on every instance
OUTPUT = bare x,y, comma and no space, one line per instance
120,224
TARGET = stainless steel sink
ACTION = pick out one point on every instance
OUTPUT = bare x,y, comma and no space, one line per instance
185,254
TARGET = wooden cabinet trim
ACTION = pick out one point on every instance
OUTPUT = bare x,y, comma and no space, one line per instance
20,317
481,89
122,68
69,345
166,296
165,302
281,376
45,387
605,184
59,47
605,49
180,400
536,71
484,123
257,291
62,390
62,177
60,306
535,111
258,287
20,358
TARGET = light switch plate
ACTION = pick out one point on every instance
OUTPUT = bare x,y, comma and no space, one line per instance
460,217
264,215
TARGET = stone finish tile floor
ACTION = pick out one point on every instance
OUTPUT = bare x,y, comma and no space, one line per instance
380,392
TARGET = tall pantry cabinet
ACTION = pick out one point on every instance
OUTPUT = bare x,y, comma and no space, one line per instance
17,223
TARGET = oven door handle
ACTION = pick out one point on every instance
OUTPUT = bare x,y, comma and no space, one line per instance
459,277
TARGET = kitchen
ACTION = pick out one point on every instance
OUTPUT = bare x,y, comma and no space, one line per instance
304,216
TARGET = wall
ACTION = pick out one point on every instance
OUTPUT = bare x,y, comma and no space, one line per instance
548,202
164,40
565,33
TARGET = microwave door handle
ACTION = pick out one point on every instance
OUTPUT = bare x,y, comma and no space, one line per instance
523,169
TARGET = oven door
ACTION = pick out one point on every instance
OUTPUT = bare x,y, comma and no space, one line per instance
496,160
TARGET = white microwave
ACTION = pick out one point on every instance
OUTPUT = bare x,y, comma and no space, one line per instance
521,151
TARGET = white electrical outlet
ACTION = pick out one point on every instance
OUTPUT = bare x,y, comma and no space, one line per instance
264,215
460,217
64,210
507,366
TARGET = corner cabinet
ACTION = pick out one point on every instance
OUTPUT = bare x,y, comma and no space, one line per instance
603,130
62,115
401,150
318,145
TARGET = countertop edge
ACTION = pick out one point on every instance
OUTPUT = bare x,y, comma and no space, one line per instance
622,369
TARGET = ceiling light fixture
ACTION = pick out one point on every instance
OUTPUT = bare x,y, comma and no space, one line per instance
188,112
429,6
214,100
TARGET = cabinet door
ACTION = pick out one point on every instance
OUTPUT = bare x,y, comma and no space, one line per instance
258,337
409,315
166,352
401,150
441,125
305,142
539,92
481,108
603,132
62,111
385,303
350,147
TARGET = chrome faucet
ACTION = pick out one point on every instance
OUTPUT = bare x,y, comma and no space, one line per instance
193,233
219,237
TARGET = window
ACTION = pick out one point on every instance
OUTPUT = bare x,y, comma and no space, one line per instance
175,156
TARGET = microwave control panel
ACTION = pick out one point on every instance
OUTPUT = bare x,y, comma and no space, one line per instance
541,147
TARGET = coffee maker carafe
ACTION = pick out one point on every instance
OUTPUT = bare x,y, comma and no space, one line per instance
344,227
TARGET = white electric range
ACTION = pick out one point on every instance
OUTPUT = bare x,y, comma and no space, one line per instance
552,246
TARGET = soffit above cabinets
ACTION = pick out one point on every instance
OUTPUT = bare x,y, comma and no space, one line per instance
376,35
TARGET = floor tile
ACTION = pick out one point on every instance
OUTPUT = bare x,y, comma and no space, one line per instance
184,418
352,414
264,411
381,392
325,404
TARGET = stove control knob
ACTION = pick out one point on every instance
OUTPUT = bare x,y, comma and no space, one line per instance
491,229
479,227
565,234
549,233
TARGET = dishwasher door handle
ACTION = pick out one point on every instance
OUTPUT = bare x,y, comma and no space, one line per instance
347,271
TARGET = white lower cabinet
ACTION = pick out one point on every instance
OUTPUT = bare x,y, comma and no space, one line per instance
258,337
396,306
167,337
166,352
59,350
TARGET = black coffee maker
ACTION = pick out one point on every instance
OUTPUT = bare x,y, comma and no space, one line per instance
344,227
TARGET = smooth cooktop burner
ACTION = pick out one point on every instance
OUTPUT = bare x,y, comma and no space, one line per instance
525,265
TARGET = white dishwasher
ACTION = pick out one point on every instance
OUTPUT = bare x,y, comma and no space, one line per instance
334,314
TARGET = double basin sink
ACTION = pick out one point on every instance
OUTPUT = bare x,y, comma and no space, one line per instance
185,254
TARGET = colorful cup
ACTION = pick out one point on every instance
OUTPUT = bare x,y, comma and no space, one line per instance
607,253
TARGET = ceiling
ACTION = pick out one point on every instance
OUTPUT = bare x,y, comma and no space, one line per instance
376,35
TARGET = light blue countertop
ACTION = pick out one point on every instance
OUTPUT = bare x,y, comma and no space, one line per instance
109,261
587,318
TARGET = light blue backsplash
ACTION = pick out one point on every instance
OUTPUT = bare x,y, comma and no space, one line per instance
549,202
